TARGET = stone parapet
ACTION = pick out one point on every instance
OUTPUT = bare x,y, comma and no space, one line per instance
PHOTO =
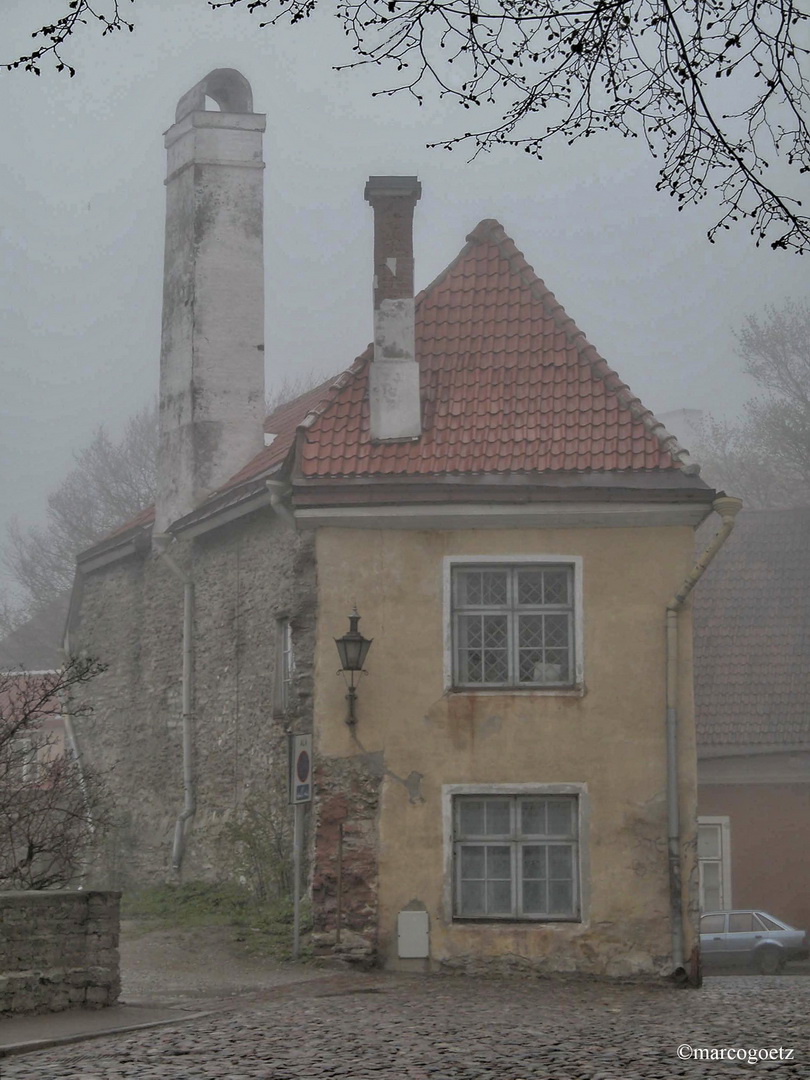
58,950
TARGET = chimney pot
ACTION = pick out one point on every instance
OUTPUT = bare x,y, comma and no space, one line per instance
395,409
212,345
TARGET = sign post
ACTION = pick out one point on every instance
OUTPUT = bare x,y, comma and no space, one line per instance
300,762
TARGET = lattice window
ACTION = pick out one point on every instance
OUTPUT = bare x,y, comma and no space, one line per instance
513,626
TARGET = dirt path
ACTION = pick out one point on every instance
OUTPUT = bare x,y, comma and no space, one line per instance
197,963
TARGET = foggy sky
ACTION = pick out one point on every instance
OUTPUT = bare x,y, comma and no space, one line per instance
82,165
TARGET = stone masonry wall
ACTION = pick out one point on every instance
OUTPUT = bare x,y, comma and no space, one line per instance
58,950
347,795
247,575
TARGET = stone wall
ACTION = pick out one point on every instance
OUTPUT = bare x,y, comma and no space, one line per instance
247,575
58,950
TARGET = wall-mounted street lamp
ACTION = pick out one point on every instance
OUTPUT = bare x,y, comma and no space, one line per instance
352,649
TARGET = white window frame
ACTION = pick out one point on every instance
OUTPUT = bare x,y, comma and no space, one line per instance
724,824
449,794
509,561
284,666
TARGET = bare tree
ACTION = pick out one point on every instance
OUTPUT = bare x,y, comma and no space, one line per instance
110,483
765,458
715,88
51,809
290,388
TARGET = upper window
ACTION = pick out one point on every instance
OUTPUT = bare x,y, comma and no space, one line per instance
516,857
513,625
285,665
714,863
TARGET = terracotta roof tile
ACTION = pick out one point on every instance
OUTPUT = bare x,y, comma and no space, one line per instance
752,634
508,384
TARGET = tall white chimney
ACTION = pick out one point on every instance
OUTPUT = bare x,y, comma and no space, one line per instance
212,346
394,403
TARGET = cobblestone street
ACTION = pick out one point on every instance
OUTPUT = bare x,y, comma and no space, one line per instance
455,1028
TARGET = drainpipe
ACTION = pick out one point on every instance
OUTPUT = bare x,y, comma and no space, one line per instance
278,492
161,543
727,508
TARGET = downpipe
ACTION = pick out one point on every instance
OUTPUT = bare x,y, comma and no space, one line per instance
189,791
728,508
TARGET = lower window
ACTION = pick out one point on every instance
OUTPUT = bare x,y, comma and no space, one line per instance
515,857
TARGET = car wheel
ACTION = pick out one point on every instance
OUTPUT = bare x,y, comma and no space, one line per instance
769,962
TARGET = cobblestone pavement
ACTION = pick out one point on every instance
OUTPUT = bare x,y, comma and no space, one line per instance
363,1027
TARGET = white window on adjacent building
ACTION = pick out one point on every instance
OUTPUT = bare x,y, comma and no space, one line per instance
515,624
516,856
714,863
285,667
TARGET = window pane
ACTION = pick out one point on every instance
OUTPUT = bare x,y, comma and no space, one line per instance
533,817
496,666
482,649
543,642
742,922
499,898
473,863
499,864
555,631
556,584
498,818
481,588
709,842
560,898
530,587
534,898
713,924
560,862
534,861
560,821
471,900
769,923
471,817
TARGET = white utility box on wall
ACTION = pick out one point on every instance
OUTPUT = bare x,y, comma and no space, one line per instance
413,934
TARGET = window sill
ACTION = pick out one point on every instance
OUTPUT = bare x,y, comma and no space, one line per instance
511,921
514,691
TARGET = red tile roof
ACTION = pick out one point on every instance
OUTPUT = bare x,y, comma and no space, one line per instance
508,383
752,635
283,422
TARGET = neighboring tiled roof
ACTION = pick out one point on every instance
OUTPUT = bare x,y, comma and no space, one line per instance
283,422
752,634
509,384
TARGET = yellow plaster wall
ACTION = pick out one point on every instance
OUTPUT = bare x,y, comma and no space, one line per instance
610,738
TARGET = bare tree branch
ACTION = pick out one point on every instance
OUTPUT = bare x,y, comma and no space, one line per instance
110,483
766,457
51,810
717,89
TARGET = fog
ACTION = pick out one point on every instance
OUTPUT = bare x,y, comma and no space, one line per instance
82,166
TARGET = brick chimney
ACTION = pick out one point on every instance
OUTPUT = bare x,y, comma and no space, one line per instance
394,375
212,345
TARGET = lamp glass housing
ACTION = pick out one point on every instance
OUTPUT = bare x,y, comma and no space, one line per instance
353,647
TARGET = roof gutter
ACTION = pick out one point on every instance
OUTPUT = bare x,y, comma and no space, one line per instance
727,508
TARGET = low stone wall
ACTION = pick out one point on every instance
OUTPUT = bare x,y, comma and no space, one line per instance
58,950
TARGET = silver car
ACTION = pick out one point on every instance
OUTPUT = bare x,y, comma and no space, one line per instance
750,938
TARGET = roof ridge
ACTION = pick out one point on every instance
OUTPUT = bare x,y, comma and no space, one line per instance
491,231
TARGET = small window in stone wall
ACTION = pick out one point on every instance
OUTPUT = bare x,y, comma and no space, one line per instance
285,666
